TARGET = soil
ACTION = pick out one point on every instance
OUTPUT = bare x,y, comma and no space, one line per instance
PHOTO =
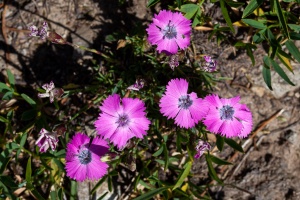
270,167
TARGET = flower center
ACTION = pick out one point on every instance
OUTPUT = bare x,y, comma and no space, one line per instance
123,120
169,31
85,156
185,102
226,112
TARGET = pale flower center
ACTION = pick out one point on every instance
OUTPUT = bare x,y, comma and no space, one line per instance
85,156
169,31
185,102
226,112
123,120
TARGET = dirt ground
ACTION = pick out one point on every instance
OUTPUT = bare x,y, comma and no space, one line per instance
270,169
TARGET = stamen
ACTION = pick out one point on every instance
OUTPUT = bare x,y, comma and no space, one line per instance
169,31
85,156
185,102
123,120
226,112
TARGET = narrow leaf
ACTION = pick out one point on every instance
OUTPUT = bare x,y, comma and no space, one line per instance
234,144
251,7
185,173
158,152
281,73
293,49
267,76
3,86
151,193
152,3
23,139
294,27
28,171
28,99
220,142
285,59
11,78
226,15
281,18
211,170
254,23
219,161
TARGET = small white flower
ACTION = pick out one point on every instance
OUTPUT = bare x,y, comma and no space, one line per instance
51,92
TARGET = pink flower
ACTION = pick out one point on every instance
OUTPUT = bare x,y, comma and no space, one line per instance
169,31
51,92
122,119
47,139
186,109
227,117
210,65
201,147
36,32
83,158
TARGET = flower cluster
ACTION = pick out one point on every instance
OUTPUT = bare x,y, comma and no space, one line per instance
226,117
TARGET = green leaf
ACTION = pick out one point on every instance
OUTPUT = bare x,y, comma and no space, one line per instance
281,18
281,73
294,27
212,172
4,120
3,87
219,161
295,36
220,142
28,99
293,49
285,59
23,139
250,54
11,78
166,156
28,171
184,174
235,4
152,3
189,10
259,36
253,4
233,144
73,190
151,193
8,95
267,73
226,15
28,115
158,152
254,23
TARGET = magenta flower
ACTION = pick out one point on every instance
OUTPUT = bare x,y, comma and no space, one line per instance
186,109
169,31
83,158
210,65
227,117
201,147
41,33
51,92
122,119
47,139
